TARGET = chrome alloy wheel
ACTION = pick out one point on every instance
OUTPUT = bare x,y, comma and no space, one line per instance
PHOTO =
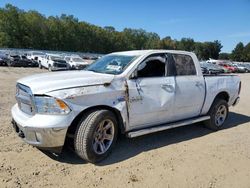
220,115
103,136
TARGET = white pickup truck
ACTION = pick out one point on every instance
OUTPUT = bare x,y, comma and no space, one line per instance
133,93
33,55
76,62
52,62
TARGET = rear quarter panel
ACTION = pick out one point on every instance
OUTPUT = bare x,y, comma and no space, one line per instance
218,84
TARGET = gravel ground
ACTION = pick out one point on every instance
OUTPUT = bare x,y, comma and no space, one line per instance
190,156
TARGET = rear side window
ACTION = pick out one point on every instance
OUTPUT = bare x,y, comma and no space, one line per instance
184,65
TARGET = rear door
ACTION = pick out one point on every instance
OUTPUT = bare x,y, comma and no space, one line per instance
189,88
151,93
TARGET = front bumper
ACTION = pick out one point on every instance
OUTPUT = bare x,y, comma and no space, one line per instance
43,131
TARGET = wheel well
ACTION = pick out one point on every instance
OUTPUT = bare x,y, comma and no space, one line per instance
73,126
223,95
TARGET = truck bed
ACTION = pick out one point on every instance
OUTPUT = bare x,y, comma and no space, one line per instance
215,84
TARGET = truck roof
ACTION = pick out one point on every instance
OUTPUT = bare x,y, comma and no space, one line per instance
145,52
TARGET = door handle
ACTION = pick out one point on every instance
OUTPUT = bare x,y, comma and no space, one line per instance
168,87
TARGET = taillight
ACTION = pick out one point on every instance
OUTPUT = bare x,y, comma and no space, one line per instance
239,88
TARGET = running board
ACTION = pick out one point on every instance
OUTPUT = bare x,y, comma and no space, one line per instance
149,130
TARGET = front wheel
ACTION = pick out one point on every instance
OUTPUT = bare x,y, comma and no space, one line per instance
96,135
50,68
40,66
218,114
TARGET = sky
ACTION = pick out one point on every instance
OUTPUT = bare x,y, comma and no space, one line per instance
203,20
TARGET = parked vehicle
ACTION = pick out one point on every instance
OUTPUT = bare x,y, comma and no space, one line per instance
20,61
76,62
91,57
246,66
34,55
204,70
3,60
229,68
240,68
52,62
133,93
210,68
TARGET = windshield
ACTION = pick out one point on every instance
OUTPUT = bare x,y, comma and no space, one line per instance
77,59
111,64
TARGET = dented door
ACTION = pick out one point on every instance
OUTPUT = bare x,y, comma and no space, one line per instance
150,101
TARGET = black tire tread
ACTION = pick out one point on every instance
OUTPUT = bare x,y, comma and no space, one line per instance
82,132
210,123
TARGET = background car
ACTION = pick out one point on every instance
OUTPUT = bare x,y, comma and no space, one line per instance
53,62
247,66
210,68
228,67
3,60
33,55
240,68
20,61
76,62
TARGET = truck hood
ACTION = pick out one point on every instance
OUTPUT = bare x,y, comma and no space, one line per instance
47,82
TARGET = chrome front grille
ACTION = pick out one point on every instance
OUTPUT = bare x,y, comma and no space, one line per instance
24,99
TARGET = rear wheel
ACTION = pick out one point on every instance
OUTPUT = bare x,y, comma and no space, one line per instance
218,115
96,135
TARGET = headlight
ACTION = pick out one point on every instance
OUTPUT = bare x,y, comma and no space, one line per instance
50,105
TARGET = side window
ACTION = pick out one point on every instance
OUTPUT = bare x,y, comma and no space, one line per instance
184,64
67,58
152,66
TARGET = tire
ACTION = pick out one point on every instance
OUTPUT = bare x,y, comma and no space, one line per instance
50,68
89,141
40,66
218,114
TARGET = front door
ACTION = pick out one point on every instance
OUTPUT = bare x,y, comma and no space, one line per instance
151,93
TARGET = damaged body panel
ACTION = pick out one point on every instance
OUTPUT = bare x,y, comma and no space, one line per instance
147,91
150,101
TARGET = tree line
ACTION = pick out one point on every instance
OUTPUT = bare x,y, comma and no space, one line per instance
32,30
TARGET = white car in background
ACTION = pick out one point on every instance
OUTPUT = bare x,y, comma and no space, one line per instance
34,56
53,62
76,62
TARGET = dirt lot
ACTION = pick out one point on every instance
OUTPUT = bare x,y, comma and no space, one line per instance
190,156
